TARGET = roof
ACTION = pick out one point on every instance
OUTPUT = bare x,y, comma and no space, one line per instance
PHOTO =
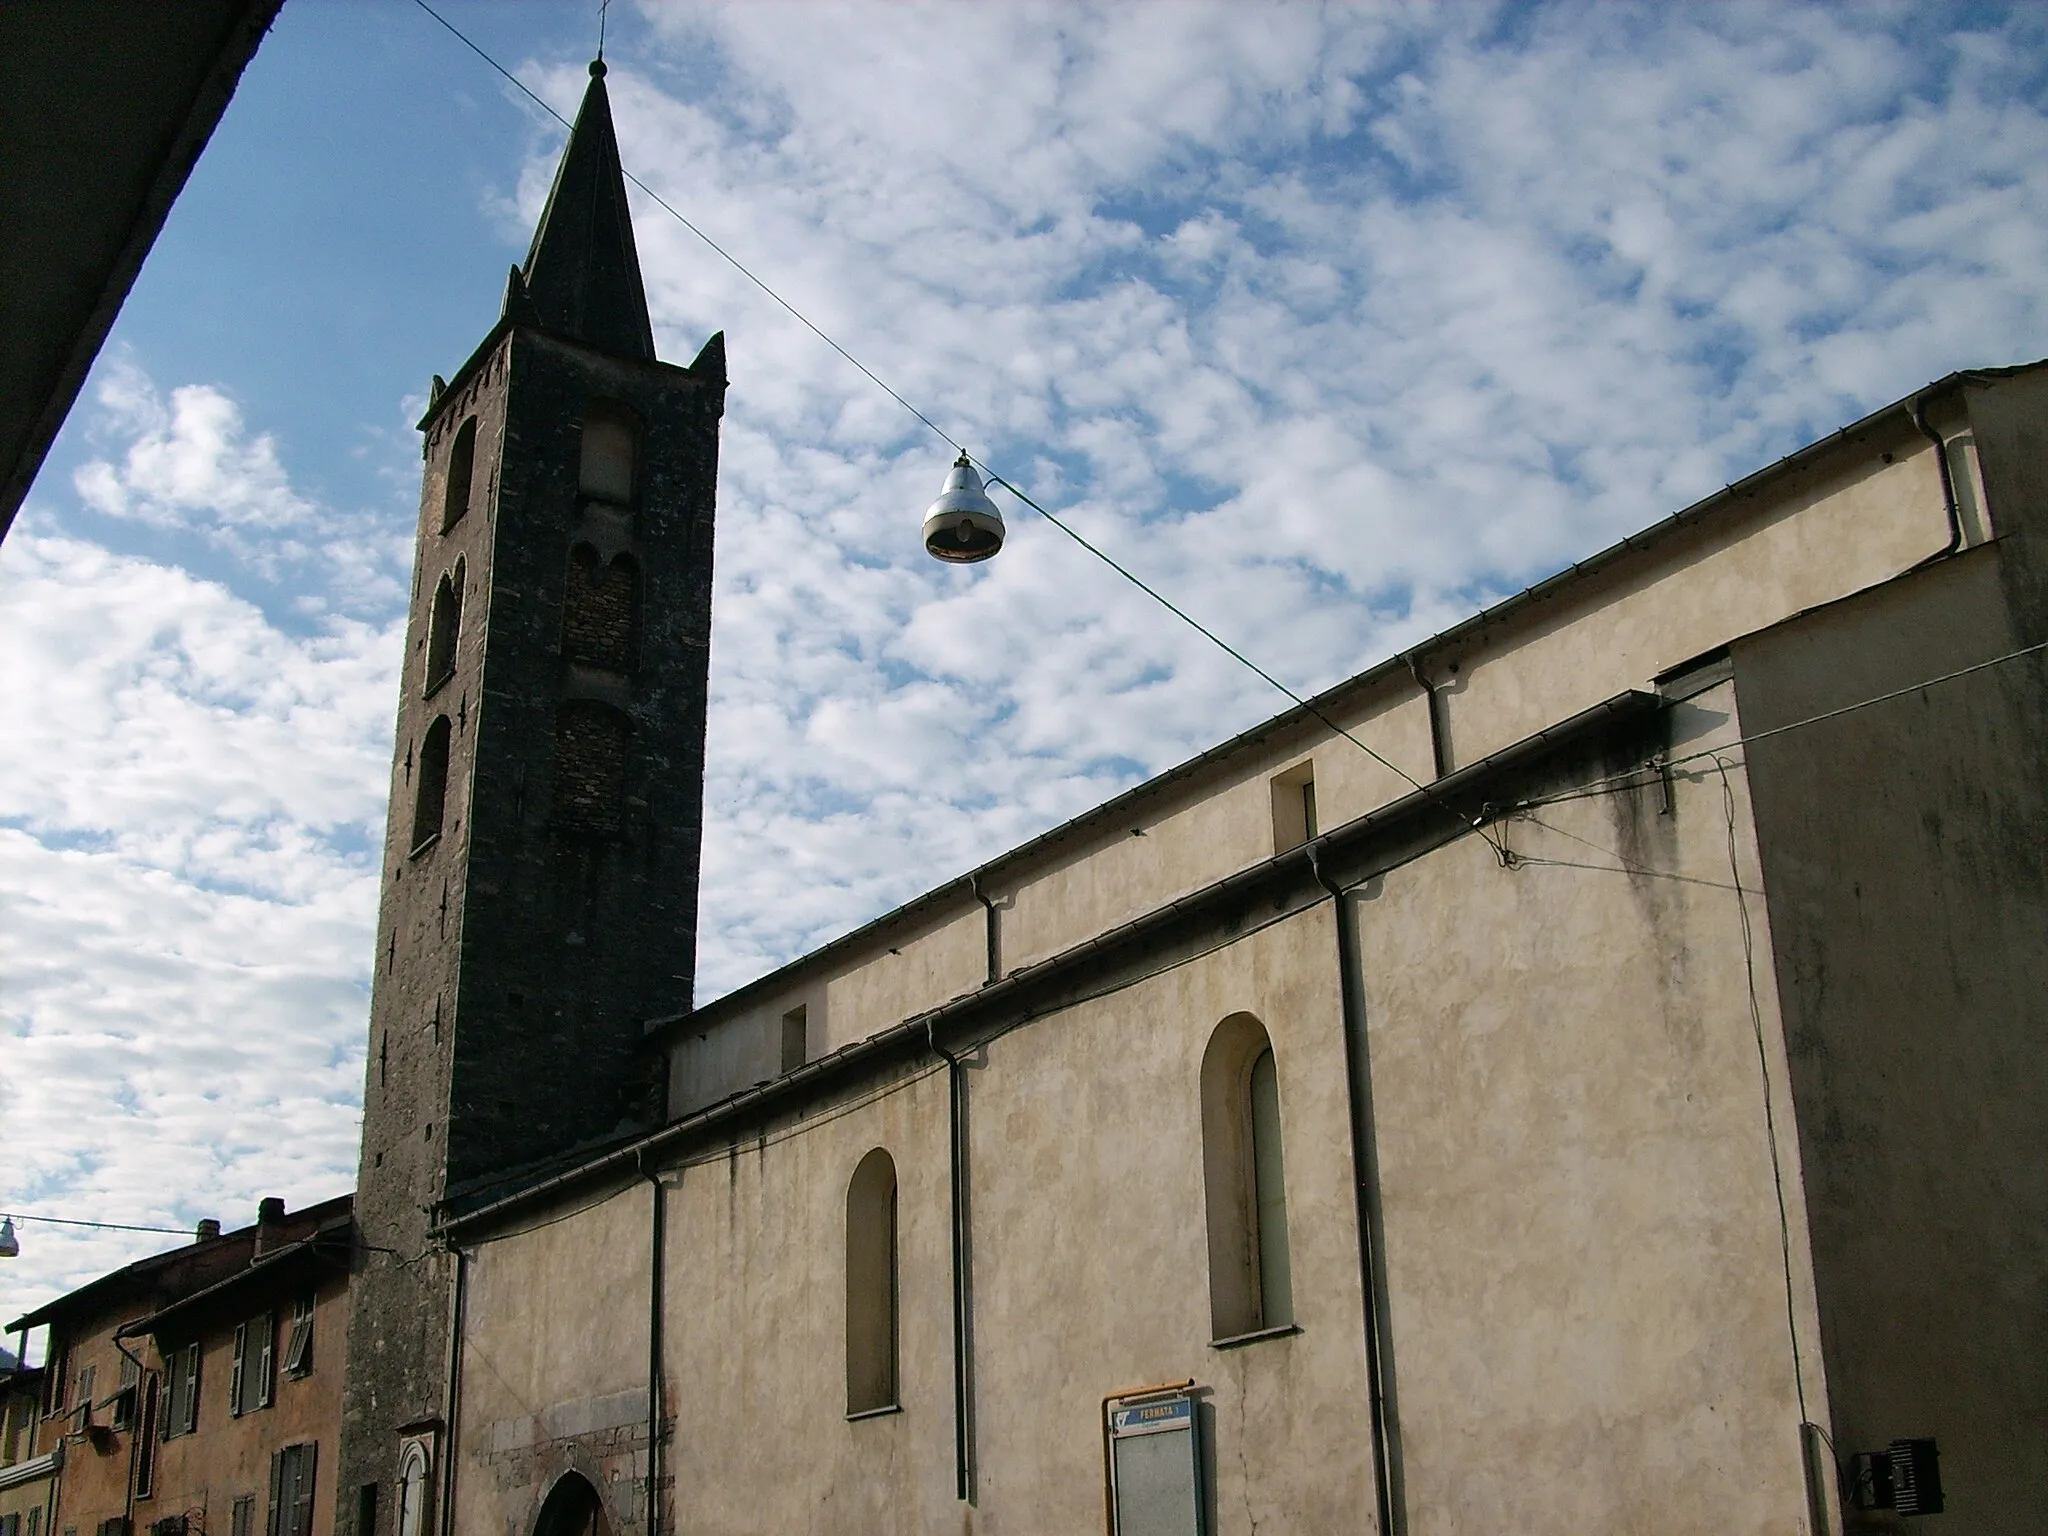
177,1271
104,108
1725,504
582,275
326,1247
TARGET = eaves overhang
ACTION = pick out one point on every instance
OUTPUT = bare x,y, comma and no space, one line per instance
326,1250
105,106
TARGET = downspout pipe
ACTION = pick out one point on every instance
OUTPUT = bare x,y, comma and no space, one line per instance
1439,736
455,1326
956,1137
657,1227
1948,479
1386,1450
994,934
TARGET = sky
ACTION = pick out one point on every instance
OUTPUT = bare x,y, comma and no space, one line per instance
1335,323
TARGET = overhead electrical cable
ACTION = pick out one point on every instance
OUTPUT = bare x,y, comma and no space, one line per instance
874,378
104,1226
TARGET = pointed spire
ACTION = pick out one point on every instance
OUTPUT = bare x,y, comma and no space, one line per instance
582,277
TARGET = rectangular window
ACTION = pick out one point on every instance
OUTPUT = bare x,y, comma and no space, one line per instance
253,1382
85,1384
10,1525
298,1350
182,1417
124,1399
35,1522
242,1519
796,1037
59,1367
1294,807
291,1491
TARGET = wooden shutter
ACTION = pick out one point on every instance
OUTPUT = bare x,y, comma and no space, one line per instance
238,1377
302,1505
145,1438
266,1355
190,1423
276,1489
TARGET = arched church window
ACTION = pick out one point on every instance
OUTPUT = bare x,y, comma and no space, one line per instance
444,628
590,766
871,1301
600,609
412,1490
1250,1277
608,444
430,786
461,469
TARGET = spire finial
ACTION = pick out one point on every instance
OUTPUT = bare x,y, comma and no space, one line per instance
597,69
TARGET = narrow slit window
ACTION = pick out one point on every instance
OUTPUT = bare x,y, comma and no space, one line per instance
430,792
461,470
1251,1283
871,1299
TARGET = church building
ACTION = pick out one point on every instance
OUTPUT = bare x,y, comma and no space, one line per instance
1586,1074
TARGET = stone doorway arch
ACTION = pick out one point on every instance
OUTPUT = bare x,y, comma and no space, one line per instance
572,1508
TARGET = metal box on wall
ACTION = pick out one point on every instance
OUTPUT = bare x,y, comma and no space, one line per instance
1155,1466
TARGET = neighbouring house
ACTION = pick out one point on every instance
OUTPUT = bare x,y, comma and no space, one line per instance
194,1392
28,1479
1584,1074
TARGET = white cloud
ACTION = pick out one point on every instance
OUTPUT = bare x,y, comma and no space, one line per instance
190,804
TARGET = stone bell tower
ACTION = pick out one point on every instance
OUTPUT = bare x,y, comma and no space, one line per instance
540,861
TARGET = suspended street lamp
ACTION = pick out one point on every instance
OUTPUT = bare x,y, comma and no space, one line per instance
963,525
10,1245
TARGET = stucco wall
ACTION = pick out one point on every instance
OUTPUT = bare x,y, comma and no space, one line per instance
1902,849
554,1364
756,1330
1586,1283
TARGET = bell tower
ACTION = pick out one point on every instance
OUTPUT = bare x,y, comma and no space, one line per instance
541,853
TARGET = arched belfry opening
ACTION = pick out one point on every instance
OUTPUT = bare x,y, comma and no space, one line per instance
461,471
572,1508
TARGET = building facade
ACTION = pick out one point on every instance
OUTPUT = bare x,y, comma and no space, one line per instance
1582,1075
28,1477
195,1392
